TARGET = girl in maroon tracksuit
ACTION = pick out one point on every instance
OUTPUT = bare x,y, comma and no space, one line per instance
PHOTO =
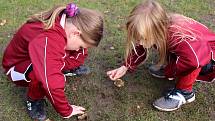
186,51
46,45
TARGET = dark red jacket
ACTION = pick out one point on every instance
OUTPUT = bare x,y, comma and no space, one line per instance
190,45
46,50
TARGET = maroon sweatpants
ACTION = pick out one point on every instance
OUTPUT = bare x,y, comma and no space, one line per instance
21,76
186,82
18,75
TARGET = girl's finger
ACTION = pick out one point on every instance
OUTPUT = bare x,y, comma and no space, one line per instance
80,112
109,73
114,74
116,77
111,77
81,108
77,112
78,107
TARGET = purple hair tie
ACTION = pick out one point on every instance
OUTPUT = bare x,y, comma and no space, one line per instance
71,10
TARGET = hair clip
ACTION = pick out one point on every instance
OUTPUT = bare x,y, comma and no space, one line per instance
71,10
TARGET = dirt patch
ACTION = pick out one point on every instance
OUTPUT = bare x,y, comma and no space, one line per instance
209,18
212,115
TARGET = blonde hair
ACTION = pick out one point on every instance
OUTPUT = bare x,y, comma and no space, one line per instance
89,22
148,23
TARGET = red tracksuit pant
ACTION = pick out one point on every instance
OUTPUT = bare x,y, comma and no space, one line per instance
18,76
186,82
21,76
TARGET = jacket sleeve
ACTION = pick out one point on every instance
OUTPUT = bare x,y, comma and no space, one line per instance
183,61
47,60
75,58
136,57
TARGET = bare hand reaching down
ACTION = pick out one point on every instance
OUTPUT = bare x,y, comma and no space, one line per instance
77,110
117,73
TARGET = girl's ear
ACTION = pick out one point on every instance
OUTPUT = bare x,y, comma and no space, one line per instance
74,32
77,32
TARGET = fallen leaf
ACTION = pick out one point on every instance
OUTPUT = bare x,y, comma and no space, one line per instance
74,88
48,119
112,48
119,83
3,22
83,116
106,11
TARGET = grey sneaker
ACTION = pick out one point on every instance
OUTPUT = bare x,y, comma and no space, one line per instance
174,100
157,71
36,109
81,70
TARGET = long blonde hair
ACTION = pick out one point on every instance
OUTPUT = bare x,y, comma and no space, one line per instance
89,22
148,23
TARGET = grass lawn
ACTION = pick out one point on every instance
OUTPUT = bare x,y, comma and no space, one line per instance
95,92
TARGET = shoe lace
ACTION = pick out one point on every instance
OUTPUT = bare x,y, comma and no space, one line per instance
177,95
39,104
171,92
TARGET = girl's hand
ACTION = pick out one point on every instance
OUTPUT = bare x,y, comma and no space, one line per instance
77,110
117,73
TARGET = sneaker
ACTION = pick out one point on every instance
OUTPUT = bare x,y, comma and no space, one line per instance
157,71
173,100
81,70
208,68
36,109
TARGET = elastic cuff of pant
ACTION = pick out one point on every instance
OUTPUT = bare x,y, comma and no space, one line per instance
34,98
185,89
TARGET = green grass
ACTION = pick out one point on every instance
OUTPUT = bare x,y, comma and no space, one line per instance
96,92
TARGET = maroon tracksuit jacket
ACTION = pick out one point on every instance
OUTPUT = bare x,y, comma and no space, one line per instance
190,45
45,51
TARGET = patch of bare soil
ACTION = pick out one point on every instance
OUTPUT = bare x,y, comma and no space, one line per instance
212,115
209,18
2,47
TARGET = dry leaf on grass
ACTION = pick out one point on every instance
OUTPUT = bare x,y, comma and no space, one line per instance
107,11
82,117
3,22
119,83
44,120
112,48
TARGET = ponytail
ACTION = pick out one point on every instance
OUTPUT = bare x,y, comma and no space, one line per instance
89,22
47,17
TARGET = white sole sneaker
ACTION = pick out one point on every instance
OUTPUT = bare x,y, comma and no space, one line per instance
173,109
